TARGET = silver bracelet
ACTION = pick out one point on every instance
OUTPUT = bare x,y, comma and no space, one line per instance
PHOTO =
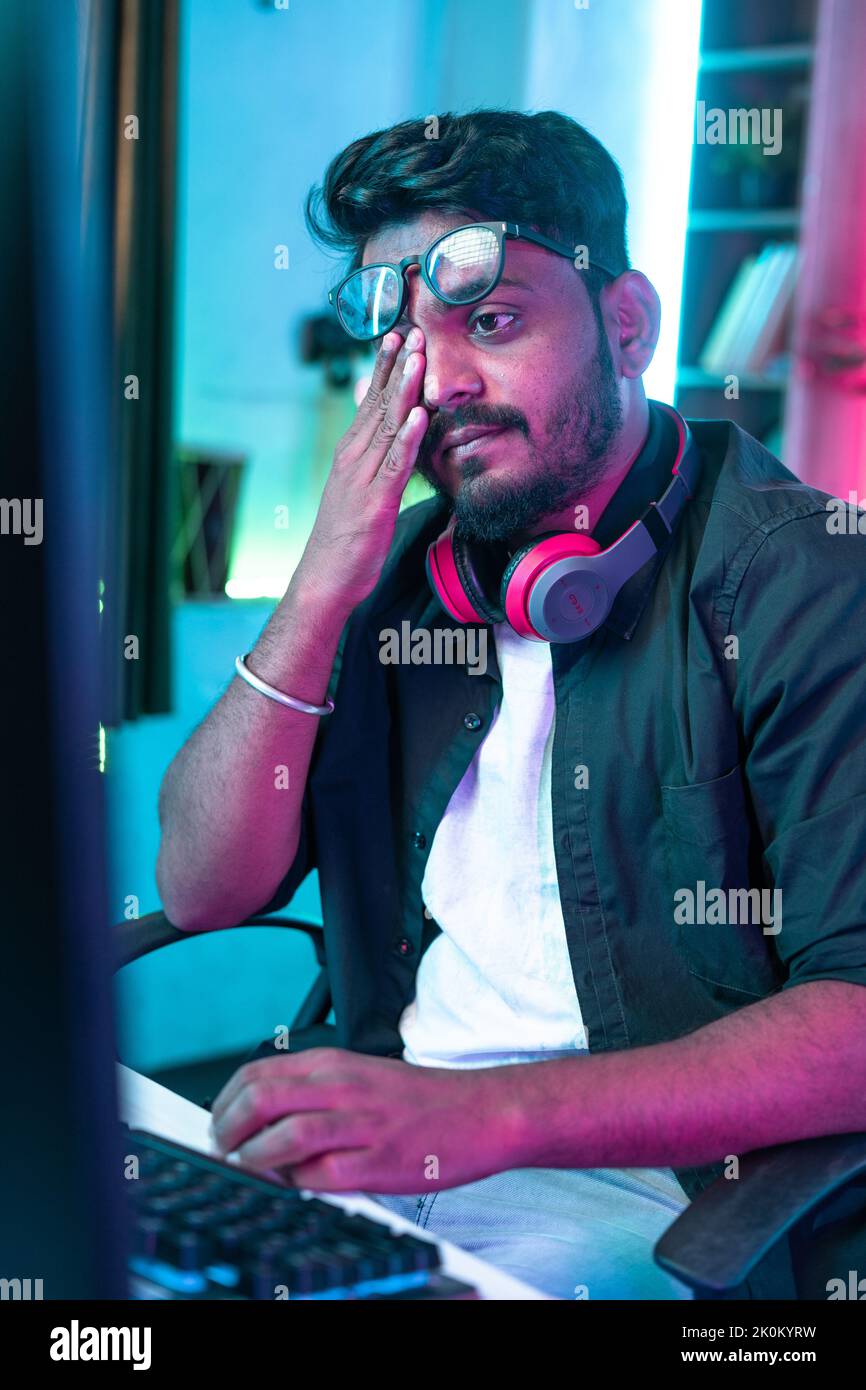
244,671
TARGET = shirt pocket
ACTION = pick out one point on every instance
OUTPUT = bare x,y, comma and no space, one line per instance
707,843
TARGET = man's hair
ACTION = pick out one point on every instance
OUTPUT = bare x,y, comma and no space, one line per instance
544,170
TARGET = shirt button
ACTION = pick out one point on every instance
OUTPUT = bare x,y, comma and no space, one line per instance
472,721
419,840
404,946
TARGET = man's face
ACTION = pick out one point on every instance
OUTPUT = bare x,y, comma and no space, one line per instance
531,364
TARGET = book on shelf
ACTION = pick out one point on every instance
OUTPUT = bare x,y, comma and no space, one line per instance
715,354
775,311
749,328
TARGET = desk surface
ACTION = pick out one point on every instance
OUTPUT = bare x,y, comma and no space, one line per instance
144,1104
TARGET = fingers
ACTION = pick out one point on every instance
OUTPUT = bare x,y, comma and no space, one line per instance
257,1106
244,1078
344,1170
291,1066
391,347
393,434
390,397
299,1138
396,467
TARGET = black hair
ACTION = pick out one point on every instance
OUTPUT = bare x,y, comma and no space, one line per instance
543,169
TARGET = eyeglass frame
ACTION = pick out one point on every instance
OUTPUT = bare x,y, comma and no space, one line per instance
503,231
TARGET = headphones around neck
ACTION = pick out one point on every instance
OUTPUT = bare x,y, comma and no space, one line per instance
560,586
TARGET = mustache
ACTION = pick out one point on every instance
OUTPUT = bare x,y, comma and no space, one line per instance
495,416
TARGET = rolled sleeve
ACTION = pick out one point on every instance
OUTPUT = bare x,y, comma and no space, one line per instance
801,701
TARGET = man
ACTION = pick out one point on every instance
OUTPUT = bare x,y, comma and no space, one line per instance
544,1051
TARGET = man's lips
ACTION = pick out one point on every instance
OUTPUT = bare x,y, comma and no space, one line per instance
463,443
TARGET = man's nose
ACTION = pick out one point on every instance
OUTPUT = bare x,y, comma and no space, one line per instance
451,376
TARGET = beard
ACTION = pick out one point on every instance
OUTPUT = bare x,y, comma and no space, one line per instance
561,469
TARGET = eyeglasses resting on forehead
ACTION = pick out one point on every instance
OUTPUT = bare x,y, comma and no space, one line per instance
460,267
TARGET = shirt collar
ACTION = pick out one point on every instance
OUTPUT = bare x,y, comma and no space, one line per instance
644,483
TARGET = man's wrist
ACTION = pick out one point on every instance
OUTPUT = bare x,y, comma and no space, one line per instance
526,1107
318,601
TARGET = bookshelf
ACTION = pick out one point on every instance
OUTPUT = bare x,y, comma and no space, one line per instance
742,202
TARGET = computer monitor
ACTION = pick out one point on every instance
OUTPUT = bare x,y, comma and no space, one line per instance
62,1206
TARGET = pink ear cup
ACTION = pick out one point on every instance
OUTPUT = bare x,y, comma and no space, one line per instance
445,580
538,558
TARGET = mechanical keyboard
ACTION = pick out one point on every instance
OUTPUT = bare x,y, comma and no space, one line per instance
206,1229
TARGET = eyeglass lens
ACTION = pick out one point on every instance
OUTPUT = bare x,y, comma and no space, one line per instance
462,267
369,300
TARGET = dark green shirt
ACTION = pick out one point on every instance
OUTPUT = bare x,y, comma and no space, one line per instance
732,764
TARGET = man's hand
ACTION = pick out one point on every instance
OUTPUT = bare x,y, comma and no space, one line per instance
373,463
343,1121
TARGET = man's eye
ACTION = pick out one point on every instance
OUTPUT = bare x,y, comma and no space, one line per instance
490,324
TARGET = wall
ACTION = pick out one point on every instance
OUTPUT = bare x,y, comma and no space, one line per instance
628,70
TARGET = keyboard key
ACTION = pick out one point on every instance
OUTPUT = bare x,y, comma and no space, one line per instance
186,1249
146,1234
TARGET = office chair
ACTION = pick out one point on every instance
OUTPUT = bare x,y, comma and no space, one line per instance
813,1190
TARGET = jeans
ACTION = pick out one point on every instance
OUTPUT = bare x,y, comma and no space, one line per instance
573,1233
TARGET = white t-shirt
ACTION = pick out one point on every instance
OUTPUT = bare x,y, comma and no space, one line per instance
496,985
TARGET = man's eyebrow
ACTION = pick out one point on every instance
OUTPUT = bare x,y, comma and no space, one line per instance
509,281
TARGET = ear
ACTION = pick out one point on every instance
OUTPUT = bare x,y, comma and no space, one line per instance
632,311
